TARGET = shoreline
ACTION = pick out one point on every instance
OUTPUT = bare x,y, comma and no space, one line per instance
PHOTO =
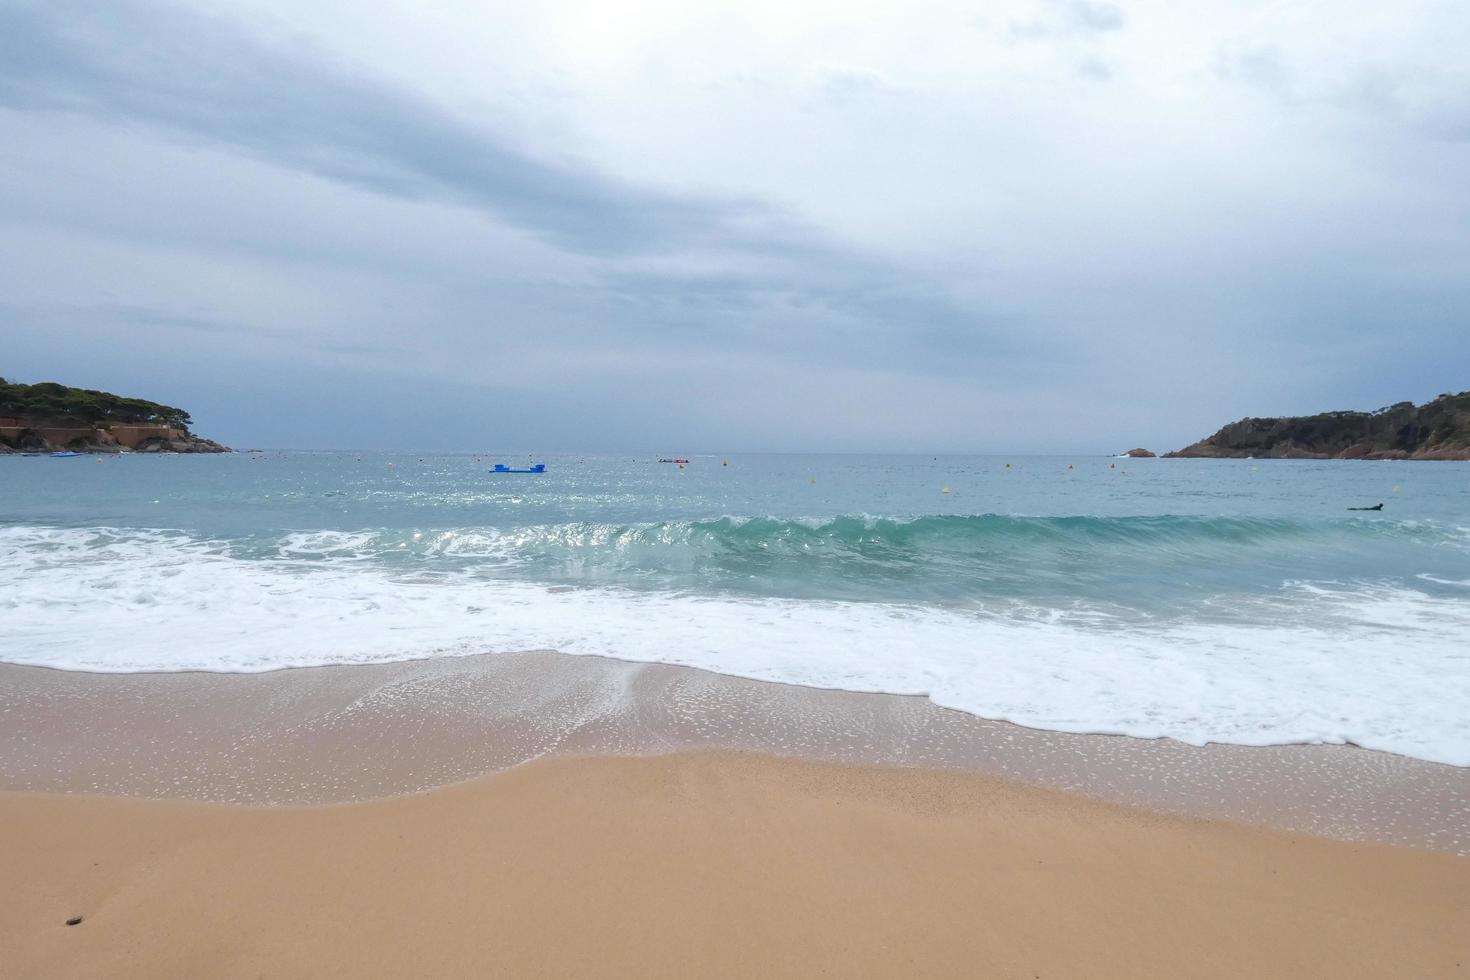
544,814
1345,744
325,735
709,863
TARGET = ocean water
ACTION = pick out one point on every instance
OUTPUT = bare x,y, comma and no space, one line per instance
1204,600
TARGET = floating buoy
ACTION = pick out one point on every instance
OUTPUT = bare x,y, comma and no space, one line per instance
945,490
1008,466
1395,488
814,480
1112,466
1069,466
725,462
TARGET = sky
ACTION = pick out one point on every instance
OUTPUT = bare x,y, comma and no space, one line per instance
1023,225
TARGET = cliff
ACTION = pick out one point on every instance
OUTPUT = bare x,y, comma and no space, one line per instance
50,417
1437,430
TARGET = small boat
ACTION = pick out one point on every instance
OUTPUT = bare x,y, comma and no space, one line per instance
66,455
673,461
502,468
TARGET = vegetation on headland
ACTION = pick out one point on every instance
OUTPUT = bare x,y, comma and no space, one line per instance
47,417
1436,430
51,402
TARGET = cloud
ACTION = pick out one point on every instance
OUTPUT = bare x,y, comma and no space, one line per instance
894,235
1094,16
1261,65
1071,18
206,79
842,86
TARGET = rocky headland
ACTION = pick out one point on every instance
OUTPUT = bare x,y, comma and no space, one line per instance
49,417
1436,430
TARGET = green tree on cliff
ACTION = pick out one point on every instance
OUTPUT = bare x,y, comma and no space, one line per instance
49,401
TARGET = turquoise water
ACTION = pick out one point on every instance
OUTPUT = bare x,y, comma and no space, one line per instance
1202,599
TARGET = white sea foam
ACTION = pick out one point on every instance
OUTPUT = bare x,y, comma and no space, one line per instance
1381,667
324,544
1464,582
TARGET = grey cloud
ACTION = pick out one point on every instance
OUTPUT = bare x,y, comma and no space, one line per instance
876,317
1450,122
1095,69
127,316
1095,16
1261,65
1402,94
1062,18
211,81
168,233
846,85
143,320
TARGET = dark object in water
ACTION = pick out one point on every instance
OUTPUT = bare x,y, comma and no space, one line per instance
502,468
75,920
678,460
1374,507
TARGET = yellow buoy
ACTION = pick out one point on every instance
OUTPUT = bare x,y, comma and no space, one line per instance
945,490
1395,488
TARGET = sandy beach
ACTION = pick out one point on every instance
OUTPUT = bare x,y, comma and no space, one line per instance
709,864
659,821
735,490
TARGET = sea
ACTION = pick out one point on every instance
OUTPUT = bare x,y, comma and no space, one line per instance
1236,601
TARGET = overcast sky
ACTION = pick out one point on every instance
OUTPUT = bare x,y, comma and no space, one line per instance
1057,225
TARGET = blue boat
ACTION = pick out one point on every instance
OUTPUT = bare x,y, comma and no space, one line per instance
66,455
502,468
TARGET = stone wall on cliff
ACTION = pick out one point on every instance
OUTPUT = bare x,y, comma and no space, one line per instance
40,436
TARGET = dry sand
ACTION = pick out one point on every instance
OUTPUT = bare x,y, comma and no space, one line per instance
709,864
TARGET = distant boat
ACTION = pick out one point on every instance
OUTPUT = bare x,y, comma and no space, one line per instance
66,455
673,461
502,468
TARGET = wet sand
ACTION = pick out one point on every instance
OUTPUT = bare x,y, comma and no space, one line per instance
709,864
342,734
544,815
